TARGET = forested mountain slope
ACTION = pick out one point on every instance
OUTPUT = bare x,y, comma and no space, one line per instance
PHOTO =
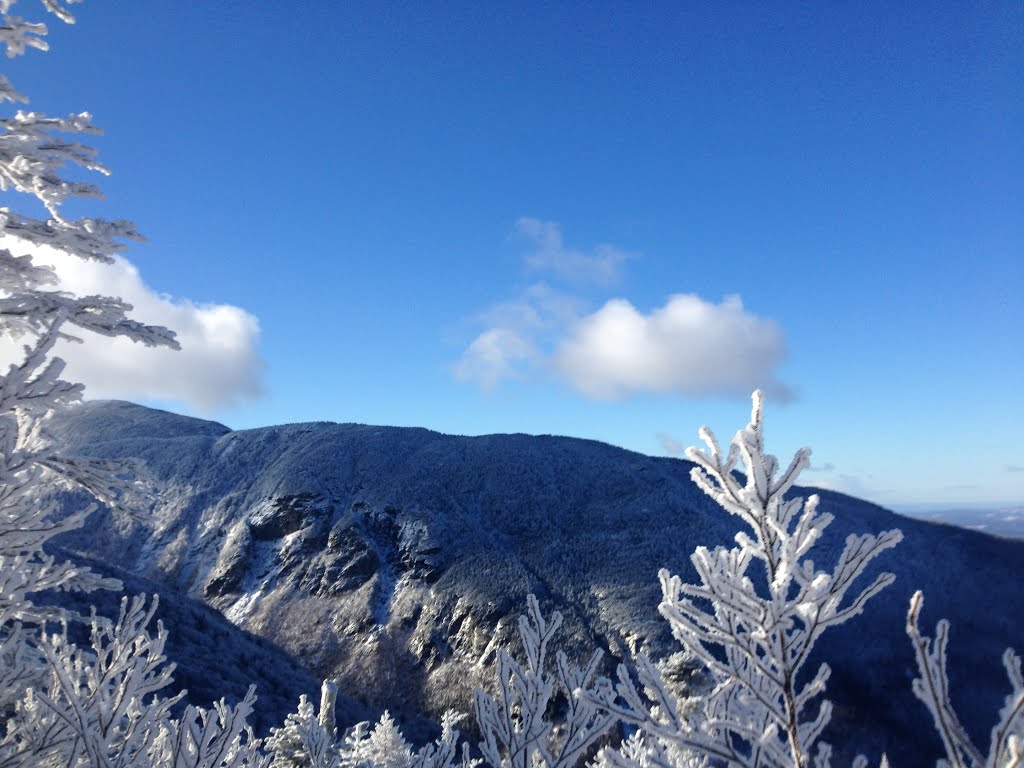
398,559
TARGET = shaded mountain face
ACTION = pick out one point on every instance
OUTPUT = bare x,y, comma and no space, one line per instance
398,560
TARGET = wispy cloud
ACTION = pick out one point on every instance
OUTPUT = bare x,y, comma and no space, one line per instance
670,445
826,467
1014,468
218,364
511,346
495,355
601,265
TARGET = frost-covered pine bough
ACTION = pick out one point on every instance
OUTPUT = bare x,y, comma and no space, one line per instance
35,153
764,710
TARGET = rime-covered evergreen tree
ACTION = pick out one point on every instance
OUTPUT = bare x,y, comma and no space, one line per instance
308,739
63,704
35,153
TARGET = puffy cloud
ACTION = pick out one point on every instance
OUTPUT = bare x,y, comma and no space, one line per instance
550,254
217,366
688,347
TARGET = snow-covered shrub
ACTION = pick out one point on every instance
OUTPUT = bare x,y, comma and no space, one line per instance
101,705
309,740
755,640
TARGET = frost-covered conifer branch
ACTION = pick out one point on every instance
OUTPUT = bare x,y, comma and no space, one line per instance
91,706
442,753
755,642
27,523
106,696
670,738
62,704
18,35
1006,749
33,156
517,733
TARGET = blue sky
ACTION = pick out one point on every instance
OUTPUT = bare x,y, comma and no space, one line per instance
606,220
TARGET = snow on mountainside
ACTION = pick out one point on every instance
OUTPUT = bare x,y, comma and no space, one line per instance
397,560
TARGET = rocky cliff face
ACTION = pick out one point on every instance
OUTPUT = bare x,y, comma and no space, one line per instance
398,560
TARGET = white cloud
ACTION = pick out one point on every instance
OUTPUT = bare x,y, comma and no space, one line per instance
550,254
689,347
217,366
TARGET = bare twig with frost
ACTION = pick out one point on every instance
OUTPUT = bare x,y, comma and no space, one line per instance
1006,749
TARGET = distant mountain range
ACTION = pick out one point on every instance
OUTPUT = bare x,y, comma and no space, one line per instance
398,560
1005,521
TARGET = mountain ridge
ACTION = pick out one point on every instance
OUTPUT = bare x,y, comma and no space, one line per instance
413,551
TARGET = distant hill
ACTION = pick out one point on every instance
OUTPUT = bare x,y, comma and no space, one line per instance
399,559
